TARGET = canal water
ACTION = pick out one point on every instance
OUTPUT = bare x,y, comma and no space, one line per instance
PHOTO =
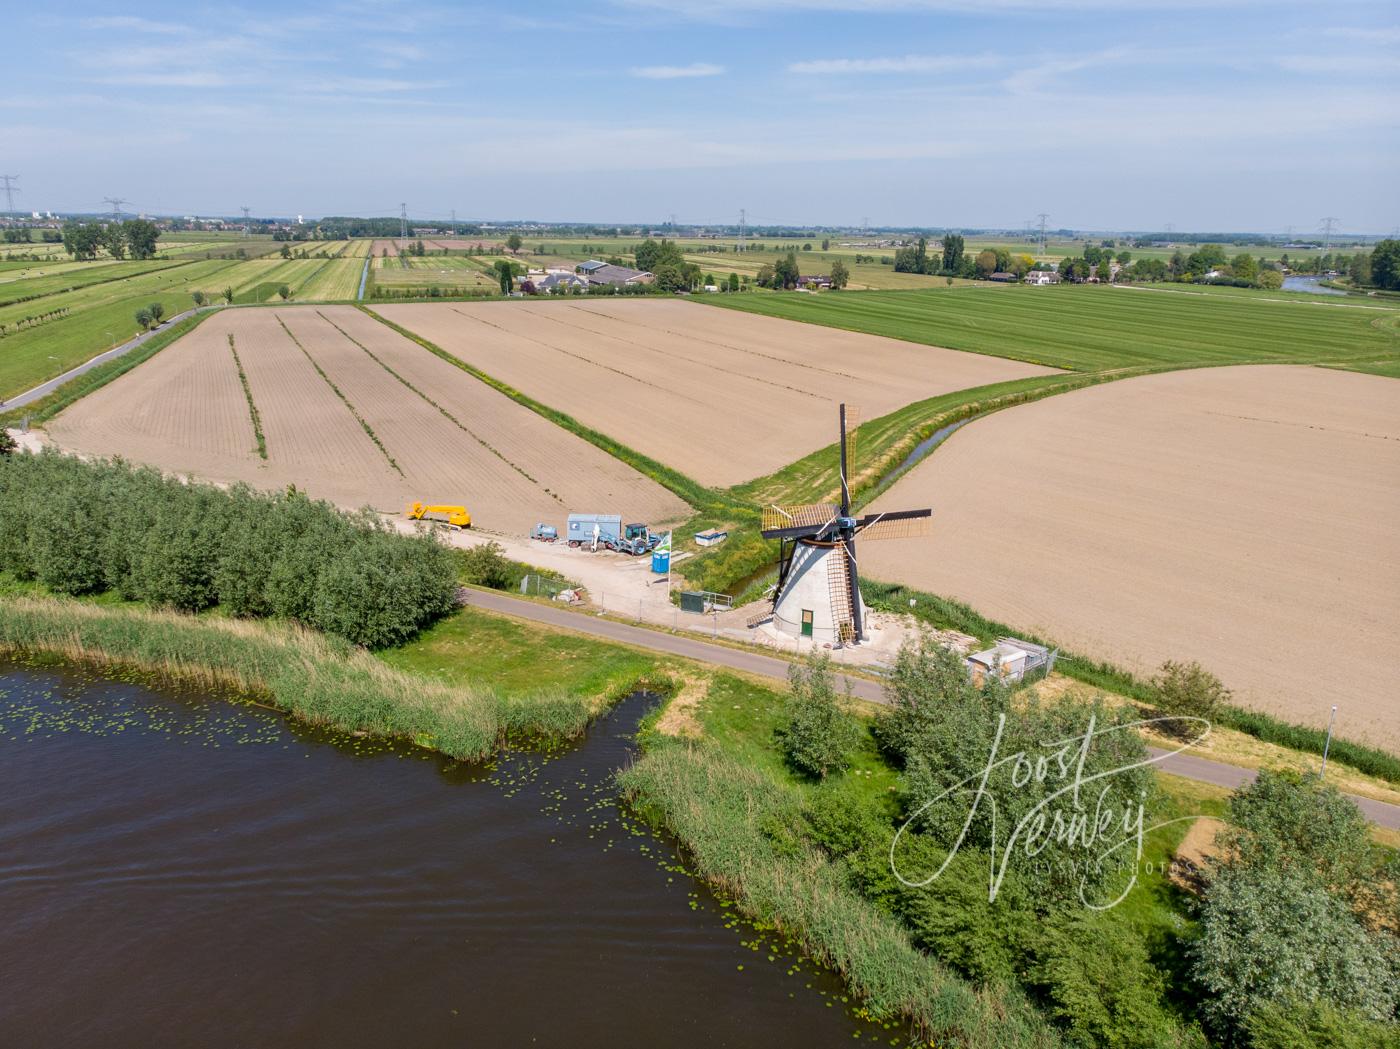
1312,285
185,870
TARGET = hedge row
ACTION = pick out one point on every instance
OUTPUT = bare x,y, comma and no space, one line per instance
83,528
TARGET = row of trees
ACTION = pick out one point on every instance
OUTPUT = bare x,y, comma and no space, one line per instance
137,237
83,528
24,235
666,261
1294,944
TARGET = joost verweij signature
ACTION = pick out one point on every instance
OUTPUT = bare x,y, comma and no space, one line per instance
1064,817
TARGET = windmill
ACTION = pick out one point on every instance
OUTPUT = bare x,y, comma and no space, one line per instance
818,590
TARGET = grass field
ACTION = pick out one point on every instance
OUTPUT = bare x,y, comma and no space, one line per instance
429,271
101,316
1092,329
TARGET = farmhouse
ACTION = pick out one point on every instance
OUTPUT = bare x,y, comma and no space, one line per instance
1042,277
557,281
599,273
814,282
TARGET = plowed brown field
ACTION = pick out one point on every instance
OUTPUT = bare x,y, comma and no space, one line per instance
450,437
720,396
1244,517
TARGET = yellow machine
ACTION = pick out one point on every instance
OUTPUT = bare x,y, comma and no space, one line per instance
456,516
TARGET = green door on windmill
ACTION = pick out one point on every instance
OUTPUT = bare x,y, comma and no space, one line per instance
806,622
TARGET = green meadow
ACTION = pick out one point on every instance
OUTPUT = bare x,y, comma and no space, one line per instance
1096,329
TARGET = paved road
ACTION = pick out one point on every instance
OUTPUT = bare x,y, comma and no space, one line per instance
1186,765
44,389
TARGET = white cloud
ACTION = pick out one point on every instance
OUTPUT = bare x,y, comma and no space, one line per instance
904,64
1372,35
367,85
1354,65
695,69
190,78
1039,77
132,22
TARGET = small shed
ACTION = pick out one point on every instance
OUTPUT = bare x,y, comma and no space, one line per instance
1010,659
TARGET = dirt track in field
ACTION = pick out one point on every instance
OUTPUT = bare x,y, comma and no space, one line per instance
1244,517
451,438
721,396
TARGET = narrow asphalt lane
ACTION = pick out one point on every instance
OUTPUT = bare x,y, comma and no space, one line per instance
1185,765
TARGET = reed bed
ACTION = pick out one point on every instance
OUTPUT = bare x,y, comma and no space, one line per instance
320,679
726,814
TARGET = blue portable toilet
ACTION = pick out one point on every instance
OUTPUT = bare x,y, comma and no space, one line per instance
661,556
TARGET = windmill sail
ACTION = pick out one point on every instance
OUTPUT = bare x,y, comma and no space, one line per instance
900,524
802,515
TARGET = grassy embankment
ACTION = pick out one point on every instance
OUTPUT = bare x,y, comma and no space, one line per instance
310,675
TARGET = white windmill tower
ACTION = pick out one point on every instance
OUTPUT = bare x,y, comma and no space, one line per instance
818,591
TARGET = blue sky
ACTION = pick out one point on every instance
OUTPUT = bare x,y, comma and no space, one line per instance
1228,114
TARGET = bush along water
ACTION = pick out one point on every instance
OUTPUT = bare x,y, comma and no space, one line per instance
85,528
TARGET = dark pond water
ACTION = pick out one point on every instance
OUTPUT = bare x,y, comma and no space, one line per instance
178,870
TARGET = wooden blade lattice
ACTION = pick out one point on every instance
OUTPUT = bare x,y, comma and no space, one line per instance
896,528
852,424
803,515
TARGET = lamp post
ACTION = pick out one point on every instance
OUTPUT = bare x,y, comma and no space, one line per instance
1328,745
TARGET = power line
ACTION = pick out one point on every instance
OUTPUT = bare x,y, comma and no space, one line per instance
10,192
1042,217
403,221
116,203
245,211
742,228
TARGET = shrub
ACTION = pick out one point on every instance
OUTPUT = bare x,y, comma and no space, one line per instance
1096,977
1287,821
487,565
7,443
1317,1025
927,690
1275,937
1189,690
819,734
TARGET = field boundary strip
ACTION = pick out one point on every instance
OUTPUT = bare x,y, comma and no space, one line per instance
248,393
369,430
445,413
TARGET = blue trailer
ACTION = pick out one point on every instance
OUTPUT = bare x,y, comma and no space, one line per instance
585,528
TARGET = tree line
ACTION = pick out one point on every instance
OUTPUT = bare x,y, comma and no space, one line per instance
86,528
136,237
